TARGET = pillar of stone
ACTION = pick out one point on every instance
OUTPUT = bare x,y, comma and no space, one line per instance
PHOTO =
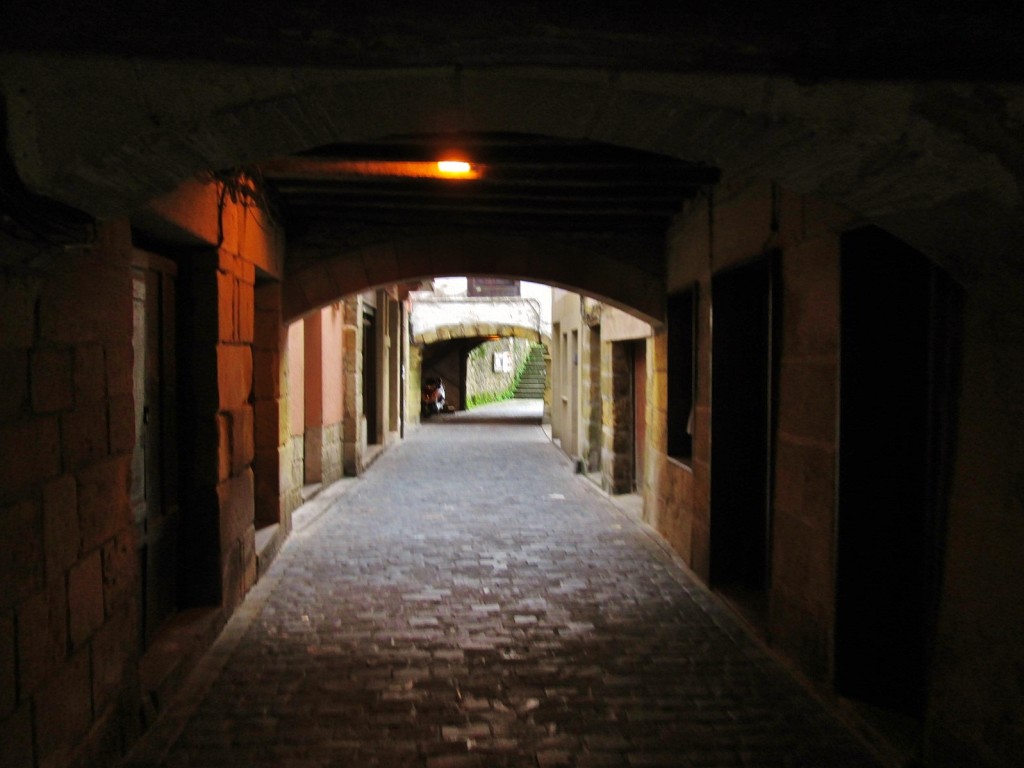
394,362
313,395
617,418
236,278
269,392
353,430
293,459
332,332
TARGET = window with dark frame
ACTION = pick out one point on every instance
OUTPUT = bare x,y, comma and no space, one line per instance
682,347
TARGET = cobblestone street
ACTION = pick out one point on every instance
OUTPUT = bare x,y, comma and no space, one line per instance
471,602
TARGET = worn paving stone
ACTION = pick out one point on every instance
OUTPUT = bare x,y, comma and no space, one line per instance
471,602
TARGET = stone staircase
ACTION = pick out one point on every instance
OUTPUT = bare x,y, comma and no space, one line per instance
531,384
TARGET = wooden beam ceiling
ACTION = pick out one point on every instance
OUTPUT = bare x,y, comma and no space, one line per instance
521,182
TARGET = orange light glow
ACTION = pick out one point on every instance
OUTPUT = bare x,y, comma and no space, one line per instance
315,168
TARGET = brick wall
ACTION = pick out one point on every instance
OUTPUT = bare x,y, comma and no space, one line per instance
68,565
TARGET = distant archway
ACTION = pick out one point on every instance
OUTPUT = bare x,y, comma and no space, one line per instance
480,331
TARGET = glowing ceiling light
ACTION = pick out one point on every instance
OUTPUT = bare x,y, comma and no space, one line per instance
454,167
314,168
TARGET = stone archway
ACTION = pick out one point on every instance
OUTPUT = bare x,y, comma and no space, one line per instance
480,331
886,150
622,270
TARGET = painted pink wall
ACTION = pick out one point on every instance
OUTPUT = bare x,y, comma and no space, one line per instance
331,328
313,373
296,375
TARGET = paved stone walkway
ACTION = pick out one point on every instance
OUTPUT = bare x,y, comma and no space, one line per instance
470,602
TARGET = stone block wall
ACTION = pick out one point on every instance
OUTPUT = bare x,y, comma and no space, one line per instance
293,456
739,224
616,418
671,502
480,374
236,500
975,703
806,442
413,383
313,398
592,405
68,563
331,465
270,407
353,420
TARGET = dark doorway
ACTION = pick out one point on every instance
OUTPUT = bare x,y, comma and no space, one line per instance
370,377
741,429
898,324
154,489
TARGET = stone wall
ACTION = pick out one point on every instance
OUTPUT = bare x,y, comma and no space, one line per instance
970,694
480,374
432,315
313,398
236,278
565,409
806,441
331,467
68,564
353,419
273,502
745,223
592,406
617,418
293,458
670,502
69,560
413,383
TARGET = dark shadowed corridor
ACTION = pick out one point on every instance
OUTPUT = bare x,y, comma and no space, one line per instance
471,602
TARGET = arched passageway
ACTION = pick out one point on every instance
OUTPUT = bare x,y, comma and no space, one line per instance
805,165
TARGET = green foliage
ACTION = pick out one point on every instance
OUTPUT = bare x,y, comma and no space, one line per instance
482,398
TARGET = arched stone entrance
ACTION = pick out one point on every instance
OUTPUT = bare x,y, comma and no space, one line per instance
883,149
618,268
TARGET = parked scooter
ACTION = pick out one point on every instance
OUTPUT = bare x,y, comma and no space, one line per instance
433,396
